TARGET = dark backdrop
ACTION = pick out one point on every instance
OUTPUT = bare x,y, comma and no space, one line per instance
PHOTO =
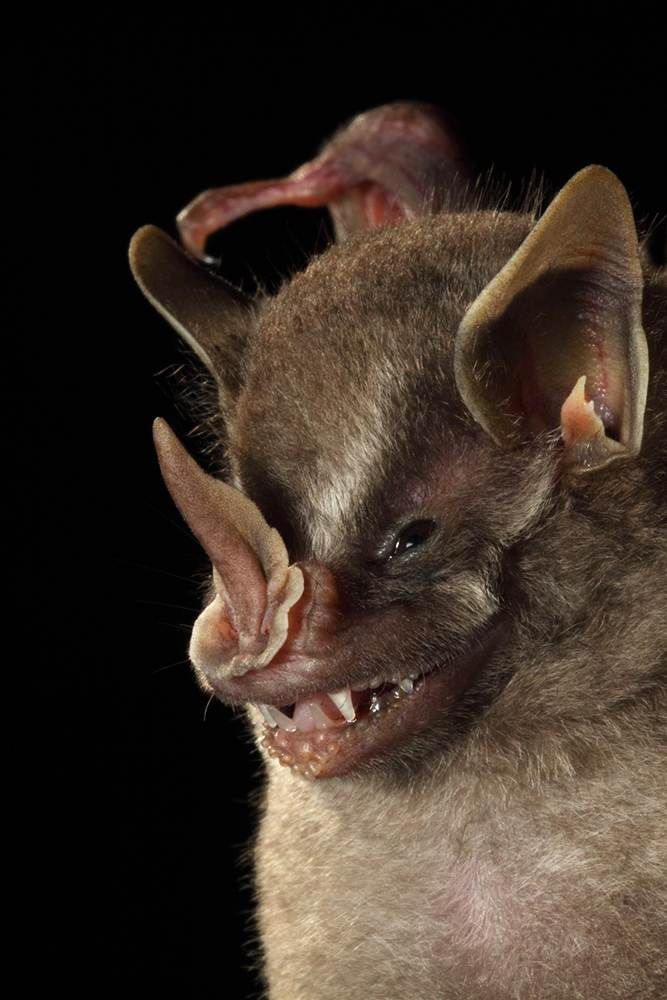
142,804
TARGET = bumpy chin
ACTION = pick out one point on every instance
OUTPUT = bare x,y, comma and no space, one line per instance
334,734
315,736
267,638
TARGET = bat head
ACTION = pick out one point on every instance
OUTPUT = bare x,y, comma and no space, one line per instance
424,430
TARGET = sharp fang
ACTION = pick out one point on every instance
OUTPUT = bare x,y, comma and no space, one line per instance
268,717
406,685
280,719
343,701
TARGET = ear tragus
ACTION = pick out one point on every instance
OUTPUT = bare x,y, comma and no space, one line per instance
566,307
209,314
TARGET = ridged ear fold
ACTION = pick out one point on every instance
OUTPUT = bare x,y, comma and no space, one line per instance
211,316
556,338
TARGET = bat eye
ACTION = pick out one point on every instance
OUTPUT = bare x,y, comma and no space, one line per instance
411,536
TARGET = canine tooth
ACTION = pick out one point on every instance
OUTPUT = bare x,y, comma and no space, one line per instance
406,685
268,718
343,701
282,720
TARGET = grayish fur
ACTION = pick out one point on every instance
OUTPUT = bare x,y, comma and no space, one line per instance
517,850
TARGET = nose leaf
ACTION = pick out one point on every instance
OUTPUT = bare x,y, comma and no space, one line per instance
246,623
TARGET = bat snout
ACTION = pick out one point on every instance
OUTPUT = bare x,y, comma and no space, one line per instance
300,620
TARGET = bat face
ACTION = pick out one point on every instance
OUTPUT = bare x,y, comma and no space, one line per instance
380,474
438,572
431,431
354,362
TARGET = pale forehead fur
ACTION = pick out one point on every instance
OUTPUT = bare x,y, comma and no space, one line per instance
365,336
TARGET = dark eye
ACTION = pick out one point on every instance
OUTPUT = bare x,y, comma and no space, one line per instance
412,535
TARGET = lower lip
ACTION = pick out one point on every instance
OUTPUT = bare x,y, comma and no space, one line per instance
343,749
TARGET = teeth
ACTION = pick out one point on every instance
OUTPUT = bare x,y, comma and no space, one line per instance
378,681
268,717
311,716
343,701
274,717
374,683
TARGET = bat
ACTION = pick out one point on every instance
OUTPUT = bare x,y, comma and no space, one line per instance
438,572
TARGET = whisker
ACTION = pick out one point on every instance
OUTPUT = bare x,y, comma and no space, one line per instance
162,572
163,604
173,522
169,666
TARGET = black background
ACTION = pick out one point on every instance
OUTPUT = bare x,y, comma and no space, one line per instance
142,807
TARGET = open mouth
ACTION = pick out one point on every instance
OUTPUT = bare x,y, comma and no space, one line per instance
330,734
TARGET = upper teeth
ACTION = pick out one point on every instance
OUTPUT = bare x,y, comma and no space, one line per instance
274,717
342,699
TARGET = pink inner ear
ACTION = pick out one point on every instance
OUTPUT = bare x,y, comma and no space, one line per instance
554,331
578,419
385,166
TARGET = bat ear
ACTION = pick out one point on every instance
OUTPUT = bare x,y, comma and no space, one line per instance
556,338
210,315
393,163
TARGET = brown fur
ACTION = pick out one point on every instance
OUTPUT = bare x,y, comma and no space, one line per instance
517,850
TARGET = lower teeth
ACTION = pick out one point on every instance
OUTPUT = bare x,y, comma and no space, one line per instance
370,706
307,752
